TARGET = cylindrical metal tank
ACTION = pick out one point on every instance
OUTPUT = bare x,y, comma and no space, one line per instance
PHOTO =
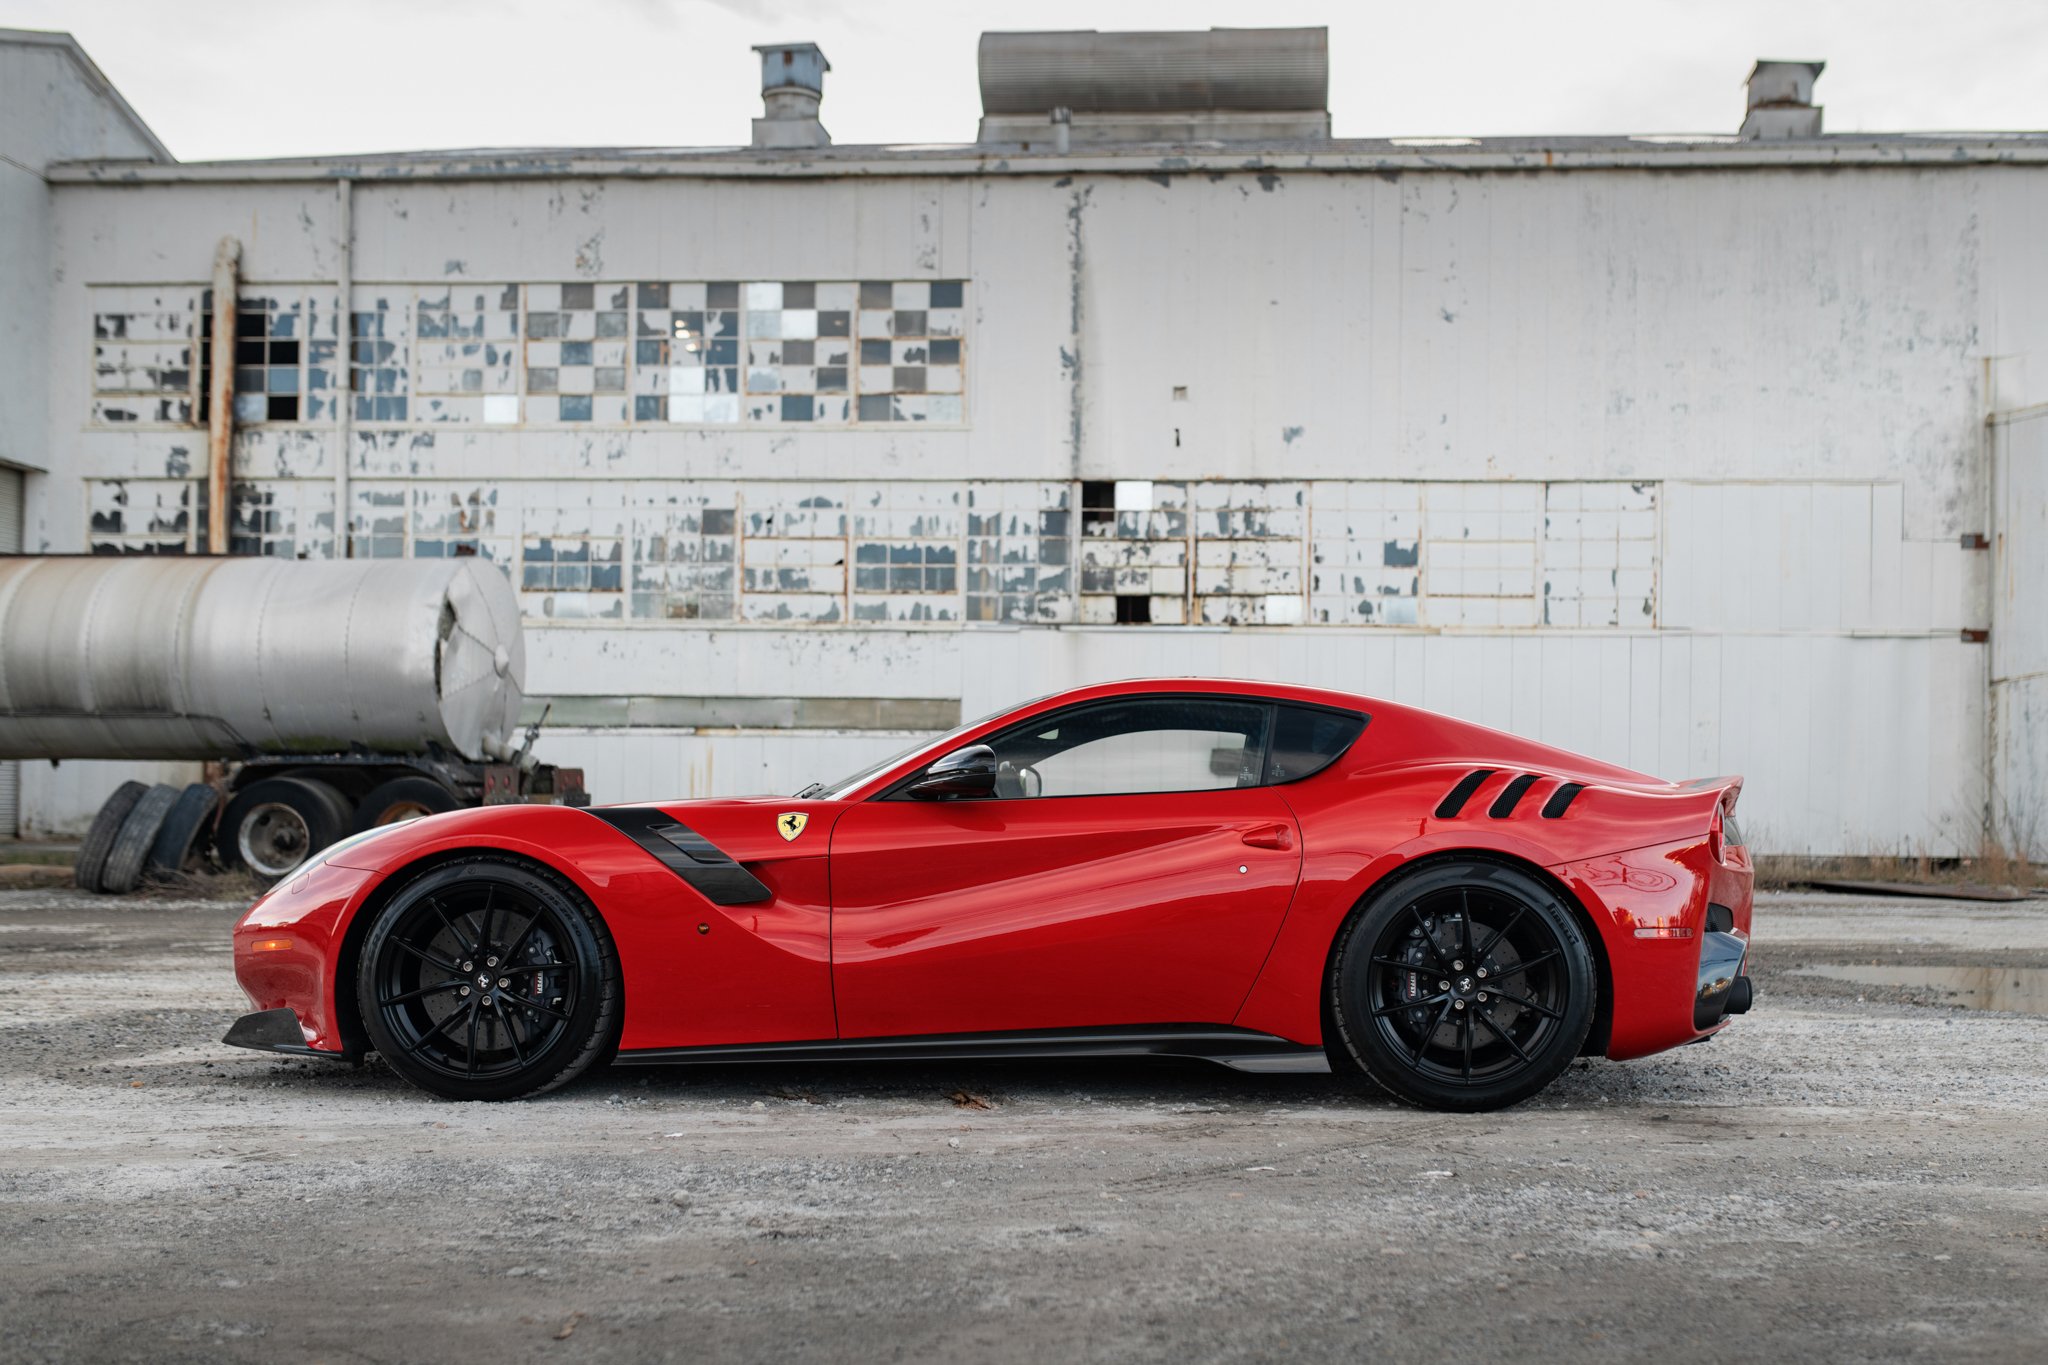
1090,72
165,657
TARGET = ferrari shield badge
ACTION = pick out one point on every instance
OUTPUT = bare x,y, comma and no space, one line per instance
791,823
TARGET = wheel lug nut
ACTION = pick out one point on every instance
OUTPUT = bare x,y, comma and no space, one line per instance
1482,973
1457,1004
469,966
504,983
1443,985
465,990
1458,966
1482,997
490,962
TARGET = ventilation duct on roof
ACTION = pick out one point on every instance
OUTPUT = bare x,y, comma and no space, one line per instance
1224,85
1781,103
792,87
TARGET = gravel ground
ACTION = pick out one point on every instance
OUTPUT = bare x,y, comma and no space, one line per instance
1848,1173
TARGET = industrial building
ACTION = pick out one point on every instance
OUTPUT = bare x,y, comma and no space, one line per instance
1707,454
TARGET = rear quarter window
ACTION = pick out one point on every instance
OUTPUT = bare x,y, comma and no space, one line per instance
1307,740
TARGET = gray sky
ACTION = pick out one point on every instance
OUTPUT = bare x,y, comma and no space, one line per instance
249,78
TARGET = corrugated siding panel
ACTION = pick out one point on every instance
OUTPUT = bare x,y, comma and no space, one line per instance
10,543
10,511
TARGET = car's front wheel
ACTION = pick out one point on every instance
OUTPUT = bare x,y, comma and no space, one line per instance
1463,985
489,979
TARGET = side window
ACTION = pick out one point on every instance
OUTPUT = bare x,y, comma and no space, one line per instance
1307,741
1163,744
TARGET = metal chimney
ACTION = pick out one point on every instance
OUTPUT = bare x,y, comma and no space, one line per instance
1781,101
792,85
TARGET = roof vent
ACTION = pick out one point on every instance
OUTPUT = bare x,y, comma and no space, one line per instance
792,85
1222,85
1781,101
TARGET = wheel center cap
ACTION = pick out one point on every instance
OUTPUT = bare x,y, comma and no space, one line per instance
1464,983
483,980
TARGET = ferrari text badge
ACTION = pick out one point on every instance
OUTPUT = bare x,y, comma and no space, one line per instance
791,823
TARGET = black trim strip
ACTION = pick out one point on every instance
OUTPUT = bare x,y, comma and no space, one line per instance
1561,800
1504,805
709,869
1454,801
1242,1049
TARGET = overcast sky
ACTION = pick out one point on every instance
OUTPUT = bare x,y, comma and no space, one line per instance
252,78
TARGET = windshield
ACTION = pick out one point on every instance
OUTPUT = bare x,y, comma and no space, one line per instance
834,791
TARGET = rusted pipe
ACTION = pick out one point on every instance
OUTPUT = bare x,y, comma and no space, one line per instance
344,358
220,396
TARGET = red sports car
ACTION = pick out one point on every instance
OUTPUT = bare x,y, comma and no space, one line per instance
1276,878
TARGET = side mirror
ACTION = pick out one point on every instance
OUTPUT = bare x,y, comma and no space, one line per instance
964,772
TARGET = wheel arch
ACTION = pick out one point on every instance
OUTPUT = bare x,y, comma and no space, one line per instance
1603,1007
348,1017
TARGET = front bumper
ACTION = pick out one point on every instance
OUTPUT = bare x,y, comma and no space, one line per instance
287,951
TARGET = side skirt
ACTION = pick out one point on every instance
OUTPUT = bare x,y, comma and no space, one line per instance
1239,1049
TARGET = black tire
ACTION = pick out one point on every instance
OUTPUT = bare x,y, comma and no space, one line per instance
1464,985
428,981
180,832
106,827
274,825
402,798
138,835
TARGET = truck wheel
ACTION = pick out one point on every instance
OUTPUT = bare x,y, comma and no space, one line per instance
99,840
137,837
175,841
403,798
273,825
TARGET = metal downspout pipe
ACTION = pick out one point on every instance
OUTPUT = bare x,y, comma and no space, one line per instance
220,394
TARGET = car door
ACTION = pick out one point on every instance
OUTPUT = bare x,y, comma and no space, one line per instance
1130,869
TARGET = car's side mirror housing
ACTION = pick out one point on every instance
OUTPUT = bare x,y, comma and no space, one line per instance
964,772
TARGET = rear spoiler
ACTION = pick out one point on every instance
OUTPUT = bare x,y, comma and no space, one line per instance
1729,787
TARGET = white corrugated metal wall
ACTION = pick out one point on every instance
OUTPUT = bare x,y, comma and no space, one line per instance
1426,416
10,543
2019,633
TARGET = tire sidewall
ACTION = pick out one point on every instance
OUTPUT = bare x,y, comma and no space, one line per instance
424,791
105,829
593,1026
1360,1040
326,814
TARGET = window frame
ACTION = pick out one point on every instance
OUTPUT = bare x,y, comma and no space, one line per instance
899,790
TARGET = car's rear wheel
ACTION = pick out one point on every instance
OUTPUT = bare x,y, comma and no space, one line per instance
489,979
1464,985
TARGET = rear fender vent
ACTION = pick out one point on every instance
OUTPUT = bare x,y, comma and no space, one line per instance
1510,798
1455,799
1504,805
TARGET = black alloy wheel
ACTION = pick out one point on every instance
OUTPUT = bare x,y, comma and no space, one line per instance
489,979
1466,986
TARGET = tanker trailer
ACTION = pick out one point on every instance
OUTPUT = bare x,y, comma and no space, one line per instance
335,695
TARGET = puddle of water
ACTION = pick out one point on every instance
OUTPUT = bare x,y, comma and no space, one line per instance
2021,990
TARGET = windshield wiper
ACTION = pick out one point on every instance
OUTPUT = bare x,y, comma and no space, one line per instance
815,789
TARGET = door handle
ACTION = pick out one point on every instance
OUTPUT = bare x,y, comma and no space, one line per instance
1270,836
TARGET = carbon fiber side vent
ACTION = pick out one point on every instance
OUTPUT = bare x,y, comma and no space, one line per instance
1455,799
1561,800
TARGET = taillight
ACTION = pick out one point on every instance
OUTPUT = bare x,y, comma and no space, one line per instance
1714,836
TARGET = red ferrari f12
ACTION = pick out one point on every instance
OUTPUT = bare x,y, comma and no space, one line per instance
1275,878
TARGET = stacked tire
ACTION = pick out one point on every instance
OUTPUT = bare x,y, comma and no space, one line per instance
144,833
